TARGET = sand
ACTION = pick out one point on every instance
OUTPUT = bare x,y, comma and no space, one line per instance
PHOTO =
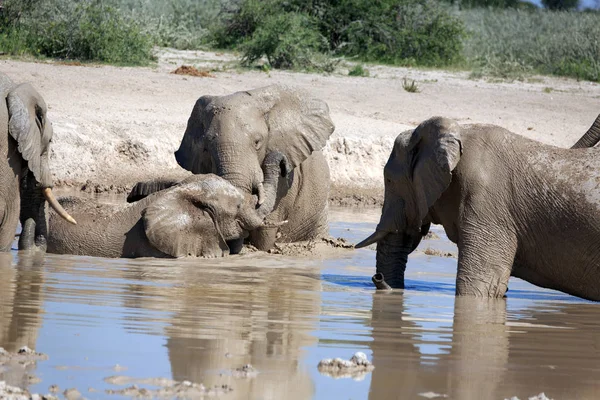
114,126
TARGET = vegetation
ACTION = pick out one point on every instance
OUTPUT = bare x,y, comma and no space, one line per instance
515,42
503,38
407,32
358,70
85,30
410,86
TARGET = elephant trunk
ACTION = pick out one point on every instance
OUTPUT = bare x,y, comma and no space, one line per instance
591,137
245,175
392,256
276,168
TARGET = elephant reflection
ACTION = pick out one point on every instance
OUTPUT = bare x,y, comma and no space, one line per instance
478,350
21,301
488,357
224,318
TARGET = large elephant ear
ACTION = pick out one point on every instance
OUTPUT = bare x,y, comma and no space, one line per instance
31,129
181,223
299,124
192,153
435,149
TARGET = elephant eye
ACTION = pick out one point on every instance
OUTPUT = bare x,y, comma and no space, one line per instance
257,144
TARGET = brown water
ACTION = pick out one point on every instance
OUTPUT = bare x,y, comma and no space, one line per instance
197,319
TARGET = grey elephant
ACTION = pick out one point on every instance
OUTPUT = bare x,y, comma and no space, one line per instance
25,176
198,217
230,136
513,206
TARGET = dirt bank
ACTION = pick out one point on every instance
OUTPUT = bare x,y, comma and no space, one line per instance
114,126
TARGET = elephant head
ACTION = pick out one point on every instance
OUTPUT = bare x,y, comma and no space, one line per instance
29,137
180,220
230,135
418,171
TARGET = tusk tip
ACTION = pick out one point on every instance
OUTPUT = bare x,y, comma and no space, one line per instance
71,220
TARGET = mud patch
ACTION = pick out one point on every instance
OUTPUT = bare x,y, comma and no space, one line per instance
319,247
438,253
167,388
431,236
132,150
345,196
356,368
192,71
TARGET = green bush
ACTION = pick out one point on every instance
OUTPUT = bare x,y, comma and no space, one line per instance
412,32
84,30
421,32
287,40
516,41
358,70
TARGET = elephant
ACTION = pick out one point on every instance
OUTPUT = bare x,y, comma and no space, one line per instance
230,136
25,176
201,216
513,206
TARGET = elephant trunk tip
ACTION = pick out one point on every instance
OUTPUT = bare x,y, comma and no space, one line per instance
379,282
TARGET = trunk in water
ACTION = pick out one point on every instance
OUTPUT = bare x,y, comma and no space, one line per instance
392,255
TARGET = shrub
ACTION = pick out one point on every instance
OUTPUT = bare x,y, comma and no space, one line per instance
421,32
358,70
287,40
84,30
516,41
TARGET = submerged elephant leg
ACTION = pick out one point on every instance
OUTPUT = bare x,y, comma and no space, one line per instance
485,260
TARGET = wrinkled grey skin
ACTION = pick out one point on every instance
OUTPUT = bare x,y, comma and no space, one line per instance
197,217
591,137
230,136
25,135
503,199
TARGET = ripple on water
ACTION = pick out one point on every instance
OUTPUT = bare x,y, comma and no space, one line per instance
200,320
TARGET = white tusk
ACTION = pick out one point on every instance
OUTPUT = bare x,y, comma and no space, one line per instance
56,206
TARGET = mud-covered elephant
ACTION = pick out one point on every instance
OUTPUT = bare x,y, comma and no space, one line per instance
513,206
230,136
25,176
201,216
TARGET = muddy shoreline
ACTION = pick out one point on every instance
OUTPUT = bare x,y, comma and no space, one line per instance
339,196
115,126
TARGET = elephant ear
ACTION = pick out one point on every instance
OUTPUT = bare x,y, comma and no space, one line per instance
181,223
192,153
31,129
299,124
435,150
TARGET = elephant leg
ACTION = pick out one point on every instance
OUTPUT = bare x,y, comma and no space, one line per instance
485,258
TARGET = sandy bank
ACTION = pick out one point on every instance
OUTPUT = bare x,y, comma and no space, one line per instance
114,126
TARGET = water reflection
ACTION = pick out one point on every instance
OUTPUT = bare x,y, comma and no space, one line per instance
21,297
492,353
198,320
223,318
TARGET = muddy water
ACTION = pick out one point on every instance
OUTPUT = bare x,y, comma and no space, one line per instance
198,320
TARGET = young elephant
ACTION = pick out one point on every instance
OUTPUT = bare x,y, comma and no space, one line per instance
230,136
513,206
25,177
197,217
